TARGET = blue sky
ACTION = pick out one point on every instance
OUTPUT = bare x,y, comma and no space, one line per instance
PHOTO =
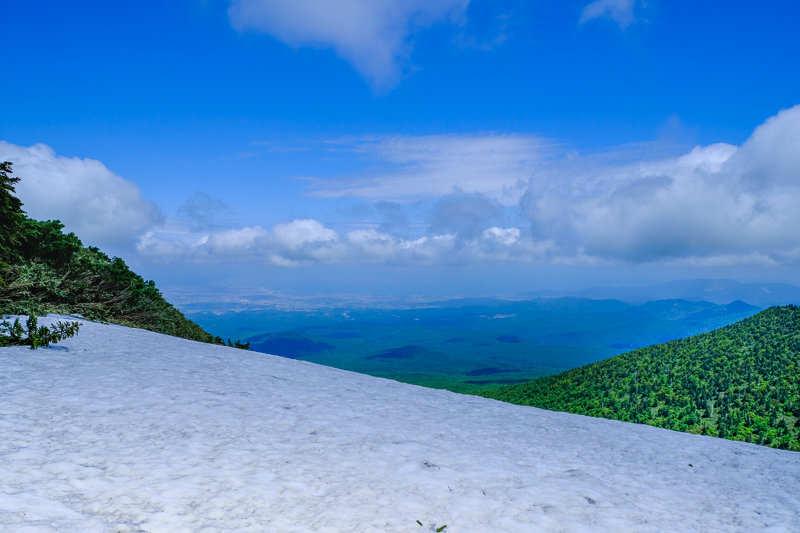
414,147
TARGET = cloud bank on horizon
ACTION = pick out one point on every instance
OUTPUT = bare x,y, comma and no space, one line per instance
479,198
716,205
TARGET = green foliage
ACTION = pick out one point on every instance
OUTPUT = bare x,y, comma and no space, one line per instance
11,213
44,241
45,270
34,335
238,344
739,382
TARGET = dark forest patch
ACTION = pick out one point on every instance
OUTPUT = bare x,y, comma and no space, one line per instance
404,352
486,371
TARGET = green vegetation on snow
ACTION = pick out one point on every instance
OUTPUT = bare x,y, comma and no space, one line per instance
34,335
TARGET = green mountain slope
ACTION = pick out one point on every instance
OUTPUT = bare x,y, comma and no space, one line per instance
44,270
739,382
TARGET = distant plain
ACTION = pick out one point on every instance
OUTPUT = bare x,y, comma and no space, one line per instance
471,344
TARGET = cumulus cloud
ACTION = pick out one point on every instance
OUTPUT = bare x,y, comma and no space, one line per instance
620,11
308,241
497,166
234,241
371,35
770,158
101,207
718,204
302,241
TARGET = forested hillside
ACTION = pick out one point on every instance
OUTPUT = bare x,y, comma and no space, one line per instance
44,270
739,382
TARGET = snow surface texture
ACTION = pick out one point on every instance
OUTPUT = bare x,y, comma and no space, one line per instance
125,430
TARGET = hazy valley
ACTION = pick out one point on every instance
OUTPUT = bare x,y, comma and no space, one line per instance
470,344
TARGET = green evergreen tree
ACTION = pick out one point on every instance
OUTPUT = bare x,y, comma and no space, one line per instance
11,214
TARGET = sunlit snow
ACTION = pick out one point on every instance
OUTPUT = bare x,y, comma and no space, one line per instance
124,430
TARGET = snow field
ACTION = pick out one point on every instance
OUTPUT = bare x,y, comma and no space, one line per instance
124,430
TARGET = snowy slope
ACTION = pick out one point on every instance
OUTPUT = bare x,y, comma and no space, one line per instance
126,430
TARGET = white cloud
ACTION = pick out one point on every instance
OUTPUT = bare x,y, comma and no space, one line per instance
302,241
100,207
620,11
436,165
306,241
234,241
503,236
161,244
718,204
300,234
770,158
372,35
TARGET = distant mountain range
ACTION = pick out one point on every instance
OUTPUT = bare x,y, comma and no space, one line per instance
718,291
